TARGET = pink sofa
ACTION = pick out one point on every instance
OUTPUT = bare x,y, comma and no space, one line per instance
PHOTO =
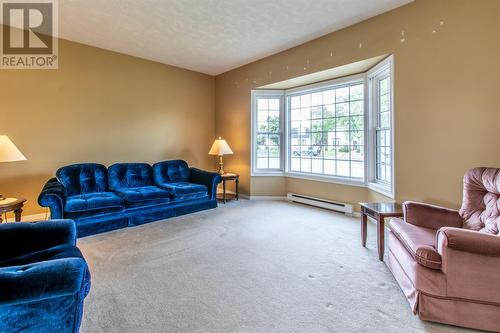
447,262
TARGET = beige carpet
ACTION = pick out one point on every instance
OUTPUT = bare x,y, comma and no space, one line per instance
247,266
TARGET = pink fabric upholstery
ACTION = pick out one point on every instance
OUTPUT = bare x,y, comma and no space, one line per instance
419,242
481,200
430,216
463,289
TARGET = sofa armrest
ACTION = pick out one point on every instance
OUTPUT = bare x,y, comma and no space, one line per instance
468,241
209,179
430,216
53,195
38,281
471,263
21,238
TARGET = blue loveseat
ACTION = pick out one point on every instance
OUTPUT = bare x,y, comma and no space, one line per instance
43,277
100,199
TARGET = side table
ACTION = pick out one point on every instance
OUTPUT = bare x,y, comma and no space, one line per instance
12,204
229,176
378,211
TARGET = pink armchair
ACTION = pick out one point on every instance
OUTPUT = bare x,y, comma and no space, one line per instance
447,262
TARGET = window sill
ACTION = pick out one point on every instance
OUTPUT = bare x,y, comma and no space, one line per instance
326,179
384,190
267,174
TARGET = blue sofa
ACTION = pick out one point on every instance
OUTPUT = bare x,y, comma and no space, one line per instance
43,277
101,199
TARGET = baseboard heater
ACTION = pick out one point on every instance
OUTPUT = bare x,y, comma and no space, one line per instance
323,203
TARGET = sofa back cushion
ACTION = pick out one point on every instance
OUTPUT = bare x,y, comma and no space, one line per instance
83,178
171,171
127,175
481,200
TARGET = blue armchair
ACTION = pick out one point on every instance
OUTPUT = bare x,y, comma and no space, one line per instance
43,277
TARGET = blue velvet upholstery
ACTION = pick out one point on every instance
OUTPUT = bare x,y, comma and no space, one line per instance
126,175
185,191
171,172
143,196
83,178
173,189
93,204
43,277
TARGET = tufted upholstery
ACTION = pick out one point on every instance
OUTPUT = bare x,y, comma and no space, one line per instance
93,204
481,200
171,171
126,175
83,178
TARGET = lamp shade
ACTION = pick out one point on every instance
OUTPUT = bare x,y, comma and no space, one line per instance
9,151
220,147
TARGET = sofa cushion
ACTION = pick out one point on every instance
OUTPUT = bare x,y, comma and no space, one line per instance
481,200
419,242
83,178
184,188
127,175
93,204
171,171
56,252
143,196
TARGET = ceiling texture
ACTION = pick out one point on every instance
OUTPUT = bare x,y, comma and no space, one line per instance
209,36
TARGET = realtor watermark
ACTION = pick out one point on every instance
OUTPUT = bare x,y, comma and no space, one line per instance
29,34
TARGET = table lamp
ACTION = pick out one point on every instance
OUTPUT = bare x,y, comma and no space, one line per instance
9,153
220,148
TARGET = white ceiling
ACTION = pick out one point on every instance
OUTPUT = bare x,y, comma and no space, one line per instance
209,36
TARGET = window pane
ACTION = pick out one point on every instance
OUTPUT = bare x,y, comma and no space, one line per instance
329,138
274,163
274,140
329,96
274,151
343,168
262,151
262,163
316,165
329,167
384,103
357,108
262,115
342,109
262,127
342,95
357,169
305,101
356,92
305,164
317,99
263,104
274,104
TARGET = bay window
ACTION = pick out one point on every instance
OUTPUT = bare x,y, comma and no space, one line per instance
335,131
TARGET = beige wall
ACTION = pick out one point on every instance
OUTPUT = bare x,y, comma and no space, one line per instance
447,104
103,107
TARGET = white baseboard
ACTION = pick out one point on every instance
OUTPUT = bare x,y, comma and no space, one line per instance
32,218
266,197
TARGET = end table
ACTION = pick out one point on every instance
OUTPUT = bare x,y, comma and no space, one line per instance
378,211
229,176
12,205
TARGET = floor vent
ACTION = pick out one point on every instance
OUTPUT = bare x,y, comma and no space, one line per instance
328,204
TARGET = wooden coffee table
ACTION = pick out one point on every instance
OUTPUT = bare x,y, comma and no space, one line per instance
12,205
378,211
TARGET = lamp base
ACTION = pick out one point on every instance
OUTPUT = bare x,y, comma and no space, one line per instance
221,165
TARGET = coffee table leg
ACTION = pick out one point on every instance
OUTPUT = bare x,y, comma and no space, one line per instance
363,228
17,214
380,237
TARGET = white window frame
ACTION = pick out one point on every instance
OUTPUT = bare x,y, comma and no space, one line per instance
335,83
370,110
373,75
255,94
